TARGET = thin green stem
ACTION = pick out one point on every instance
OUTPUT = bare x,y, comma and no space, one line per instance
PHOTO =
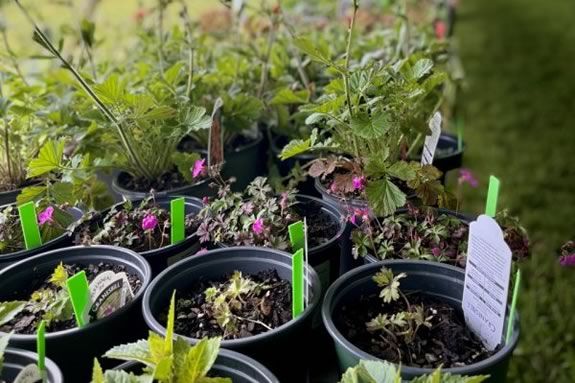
345,75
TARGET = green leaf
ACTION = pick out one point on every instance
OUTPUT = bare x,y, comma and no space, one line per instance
4,339
110,91
286,96
173,74
370,127
384,196
402,170
63,193
31,193
319,52
49,158
207,379
169,341
372,371
159,113
185,162
163,371
9,310
200,360
437,376
421,68
97,373
138,351
196,119
119,376
295,147
87,29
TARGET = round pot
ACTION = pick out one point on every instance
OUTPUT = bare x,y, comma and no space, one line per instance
161,258
268,348
346,205
466,219
441,281
74,349
198,189
58,242
15,360
8,197
451,161
229,364
277,143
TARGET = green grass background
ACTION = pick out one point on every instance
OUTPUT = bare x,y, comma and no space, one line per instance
519,110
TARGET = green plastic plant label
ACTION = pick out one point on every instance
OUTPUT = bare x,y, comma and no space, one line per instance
487,273
177,220
109,292
492,196
511,320
41,345
430,143
29,223
297,283
80,297
297,235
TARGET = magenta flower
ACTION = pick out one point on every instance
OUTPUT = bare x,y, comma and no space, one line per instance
149,222
46,215
199,168
436,251
205,200
353,219
567,260
466,177
202,250
359,183
258,226
440,28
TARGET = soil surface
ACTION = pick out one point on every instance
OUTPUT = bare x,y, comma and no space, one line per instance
195,317
448,343
26,321
168,181
321,225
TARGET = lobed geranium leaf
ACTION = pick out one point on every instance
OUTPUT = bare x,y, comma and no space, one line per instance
319,52
370,127
384,196
421,68
49,158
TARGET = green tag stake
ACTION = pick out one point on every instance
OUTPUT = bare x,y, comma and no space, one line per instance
492,195
296,235
513,305
29,223
297,283
41,346
177,217
80,296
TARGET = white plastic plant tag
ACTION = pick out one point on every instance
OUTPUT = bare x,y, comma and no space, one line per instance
430,143
29,374
109,291
487,274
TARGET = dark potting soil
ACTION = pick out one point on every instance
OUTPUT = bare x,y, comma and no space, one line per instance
188,144
26,321
448,343
269,307
167,181
321,225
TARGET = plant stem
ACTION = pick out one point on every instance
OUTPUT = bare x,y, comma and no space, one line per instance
161,7
7,144
266,63
188,26
345,74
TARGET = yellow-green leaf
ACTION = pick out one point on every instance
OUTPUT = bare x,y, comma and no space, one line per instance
49,158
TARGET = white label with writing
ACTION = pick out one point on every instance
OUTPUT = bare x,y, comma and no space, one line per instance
431,141
487,275
109,291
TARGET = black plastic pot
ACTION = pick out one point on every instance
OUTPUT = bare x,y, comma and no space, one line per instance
9,197
229,364
15,360
441,281
161,258
198,189
346,205
277,143
60,241
74,349
269,348
448,162
466,219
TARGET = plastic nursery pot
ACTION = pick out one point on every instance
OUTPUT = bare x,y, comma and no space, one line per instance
60,241
441,281
269,348
346,205
277,142
161,258
229,364
74,349
9,196
15,360
466,219
198,189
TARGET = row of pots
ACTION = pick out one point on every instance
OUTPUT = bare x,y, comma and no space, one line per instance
74,349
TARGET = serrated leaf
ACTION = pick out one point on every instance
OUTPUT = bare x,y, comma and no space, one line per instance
402,170
370,127
173,74
286,96
31,193
317,52
185,162
421,68
9,310
295,147
49,158
97,373
158,113
384,197
372,371
111,91
314,118
63,193
138,351
163,370
199,360
119,376
196,119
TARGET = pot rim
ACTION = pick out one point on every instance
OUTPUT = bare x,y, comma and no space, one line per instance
139,262
51,367
313,283
337,336
163,193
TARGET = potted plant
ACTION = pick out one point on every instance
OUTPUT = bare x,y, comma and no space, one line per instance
141,226
34,289
428,234
260,217
18,365
202,362
409,313
242,294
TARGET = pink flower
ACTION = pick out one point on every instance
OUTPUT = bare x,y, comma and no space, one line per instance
149,222
332,188
203,250
466,176
140,14
436,251
258,226
46,215
567,260
440,29
206,200
199,168
352,219
359,183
